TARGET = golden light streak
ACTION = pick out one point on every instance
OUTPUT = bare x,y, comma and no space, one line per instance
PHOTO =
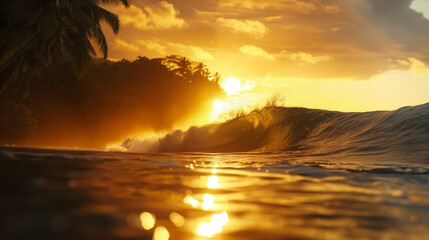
217,109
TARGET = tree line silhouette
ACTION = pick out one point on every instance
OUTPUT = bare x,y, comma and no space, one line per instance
109,102
53,92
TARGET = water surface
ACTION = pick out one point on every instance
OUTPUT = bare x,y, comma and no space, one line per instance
66,194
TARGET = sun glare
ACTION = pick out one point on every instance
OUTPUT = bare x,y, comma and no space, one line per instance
214,226
235,100
212,182
208,201
232,85
218,108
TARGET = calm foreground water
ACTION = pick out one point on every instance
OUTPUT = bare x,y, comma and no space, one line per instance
66,194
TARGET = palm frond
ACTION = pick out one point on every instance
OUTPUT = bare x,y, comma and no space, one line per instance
101,14
124,2
40,32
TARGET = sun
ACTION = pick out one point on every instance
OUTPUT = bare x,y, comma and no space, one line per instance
234,88
231,85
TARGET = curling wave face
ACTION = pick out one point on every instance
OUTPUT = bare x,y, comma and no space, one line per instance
402,131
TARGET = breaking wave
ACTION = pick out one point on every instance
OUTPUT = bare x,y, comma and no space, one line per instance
405,130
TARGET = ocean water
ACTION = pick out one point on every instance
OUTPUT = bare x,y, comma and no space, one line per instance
278,173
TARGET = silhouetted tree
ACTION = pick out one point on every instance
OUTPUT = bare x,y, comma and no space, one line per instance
201,70
37,33
180,65
215,77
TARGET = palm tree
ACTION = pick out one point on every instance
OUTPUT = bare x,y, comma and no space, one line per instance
180,65
38,33
216,77
201,69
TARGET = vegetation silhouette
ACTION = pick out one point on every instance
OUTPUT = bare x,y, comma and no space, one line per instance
46,46
111,101
37,33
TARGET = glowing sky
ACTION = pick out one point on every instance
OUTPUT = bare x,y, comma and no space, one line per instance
353,55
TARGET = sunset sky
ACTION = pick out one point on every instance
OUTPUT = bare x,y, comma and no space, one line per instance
354,55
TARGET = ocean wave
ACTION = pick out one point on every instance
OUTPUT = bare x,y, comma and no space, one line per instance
405,130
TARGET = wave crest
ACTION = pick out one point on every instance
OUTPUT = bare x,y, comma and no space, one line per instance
291,129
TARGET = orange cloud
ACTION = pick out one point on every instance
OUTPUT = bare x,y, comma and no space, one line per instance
121,44
295,5
162,48
159,15
304,57
256,51
194,52
154,45
252,27
273,18
418,67
332,9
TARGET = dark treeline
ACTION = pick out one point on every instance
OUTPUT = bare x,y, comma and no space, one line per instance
109,102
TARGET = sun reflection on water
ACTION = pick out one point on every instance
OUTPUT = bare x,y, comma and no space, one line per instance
214,226
161,233
191,201
148,220
213,182
208,201
177,219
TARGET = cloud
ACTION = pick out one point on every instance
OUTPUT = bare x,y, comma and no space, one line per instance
403,62
252,27
293,5
304,57
397,20
421,6
162,48
273,18
158,15
154,45
256,51
121,44
418,67
331,9
193,52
